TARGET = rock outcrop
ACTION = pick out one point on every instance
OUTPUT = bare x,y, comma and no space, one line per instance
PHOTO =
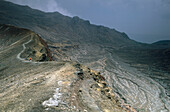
36,49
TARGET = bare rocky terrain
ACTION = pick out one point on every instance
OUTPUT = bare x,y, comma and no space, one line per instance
46,85
77,66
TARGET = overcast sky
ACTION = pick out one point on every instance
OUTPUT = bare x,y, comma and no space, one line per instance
143,20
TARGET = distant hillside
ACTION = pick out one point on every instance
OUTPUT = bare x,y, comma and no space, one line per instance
59,28
162,44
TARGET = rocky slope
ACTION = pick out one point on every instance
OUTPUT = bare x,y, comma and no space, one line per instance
57,28
37,49
41,85
137,73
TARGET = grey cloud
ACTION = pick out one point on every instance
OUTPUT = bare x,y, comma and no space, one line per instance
166,1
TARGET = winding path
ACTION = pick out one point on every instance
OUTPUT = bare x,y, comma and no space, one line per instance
19,55
24,47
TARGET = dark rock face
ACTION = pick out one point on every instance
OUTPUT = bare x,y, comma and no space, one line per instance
48,55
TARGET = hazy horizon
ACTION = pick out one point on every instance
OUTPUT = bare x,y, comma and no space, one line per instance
143,21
